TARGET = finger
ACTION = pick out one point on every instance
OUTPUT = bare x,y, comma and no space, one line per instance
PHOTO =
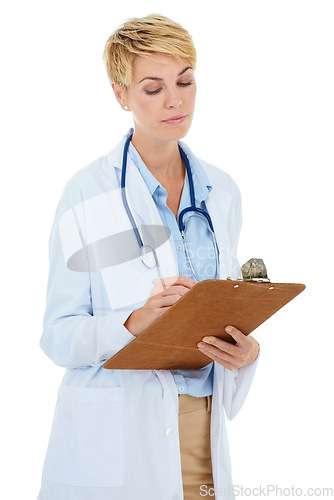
223,345
215,351
171,281
236,334
160,285
166,300
178,289
185,281
226,364
221,360
175,280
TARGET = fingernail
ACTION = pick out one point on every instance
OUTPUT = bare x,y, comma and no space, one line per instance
228,329
200,346
206,339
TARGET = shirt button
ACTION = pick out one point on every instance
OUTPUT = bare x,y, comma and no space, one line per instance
181,388
179,247
170,432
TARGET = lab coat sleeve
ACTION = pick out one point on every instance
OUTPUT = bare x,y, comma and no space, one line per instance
72,336
236,386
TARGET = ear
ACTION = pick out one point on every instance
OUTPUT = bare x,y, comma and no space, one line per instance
119,94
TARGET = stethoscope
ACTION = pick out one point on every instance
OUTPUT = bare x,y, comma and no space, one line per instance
147,253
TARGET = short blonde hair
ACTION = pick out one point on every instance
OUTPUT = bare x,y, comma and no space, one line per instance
144,36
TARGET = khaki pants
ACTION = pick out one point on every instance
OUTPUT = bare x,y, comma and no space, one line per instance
194,431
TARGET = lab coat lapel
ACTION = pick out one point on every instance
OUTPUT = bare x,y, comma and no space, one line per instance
145,213
139,197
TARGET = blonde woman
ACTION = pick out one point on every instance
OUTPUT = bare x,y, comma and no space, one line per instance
142,434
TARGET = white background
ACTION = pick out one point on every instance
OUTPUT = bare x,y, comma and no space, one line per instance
264,113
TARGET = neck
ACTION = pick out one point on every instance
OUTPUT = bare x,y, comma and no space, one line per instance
162,158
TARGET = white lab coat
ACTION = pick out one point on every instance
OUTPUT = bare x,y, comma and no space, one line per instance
115,432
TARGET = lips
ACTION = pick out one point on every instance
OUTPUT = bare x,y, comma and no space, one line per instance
176,119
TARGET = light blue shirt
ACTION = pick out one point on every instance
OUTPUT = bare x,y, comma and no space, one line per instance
198,382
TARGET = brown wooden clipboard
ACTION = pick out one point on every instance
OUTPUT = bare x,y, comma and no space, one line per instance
170,342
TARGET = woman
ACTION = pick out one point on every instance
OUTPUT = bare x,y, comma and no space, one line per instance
141,434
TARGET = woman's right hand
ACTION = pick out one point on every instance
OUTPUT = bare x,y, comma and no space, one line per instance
164,294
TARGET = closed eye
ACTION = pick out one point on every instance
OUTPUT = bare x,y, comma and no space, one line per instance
158,90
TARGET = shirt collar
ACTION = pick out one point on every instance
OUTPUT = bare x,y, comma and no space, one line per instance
202,184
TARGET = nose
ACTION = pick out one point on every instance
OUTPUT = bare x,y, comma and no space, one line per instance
173,98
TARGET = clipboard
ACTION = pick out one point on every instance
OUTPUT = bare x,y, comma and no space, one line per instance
170,342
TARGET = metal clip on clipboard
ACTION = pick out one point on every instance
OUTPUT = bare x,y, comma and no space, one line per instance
253,270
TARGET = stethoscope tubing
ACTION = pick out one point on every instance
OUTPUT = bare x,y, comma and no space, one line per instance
125,201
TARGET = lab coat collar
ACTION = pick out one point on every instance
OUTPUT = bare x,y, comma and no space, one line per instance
151,181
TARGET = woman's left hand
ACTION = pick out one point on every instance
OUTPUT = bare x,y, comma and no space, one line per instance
231,356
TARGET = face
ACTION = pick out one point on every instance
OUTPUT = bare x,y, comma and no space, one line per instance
162,88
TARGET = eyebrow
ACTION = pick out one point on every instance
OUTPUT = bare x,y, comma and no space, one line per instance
160,79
